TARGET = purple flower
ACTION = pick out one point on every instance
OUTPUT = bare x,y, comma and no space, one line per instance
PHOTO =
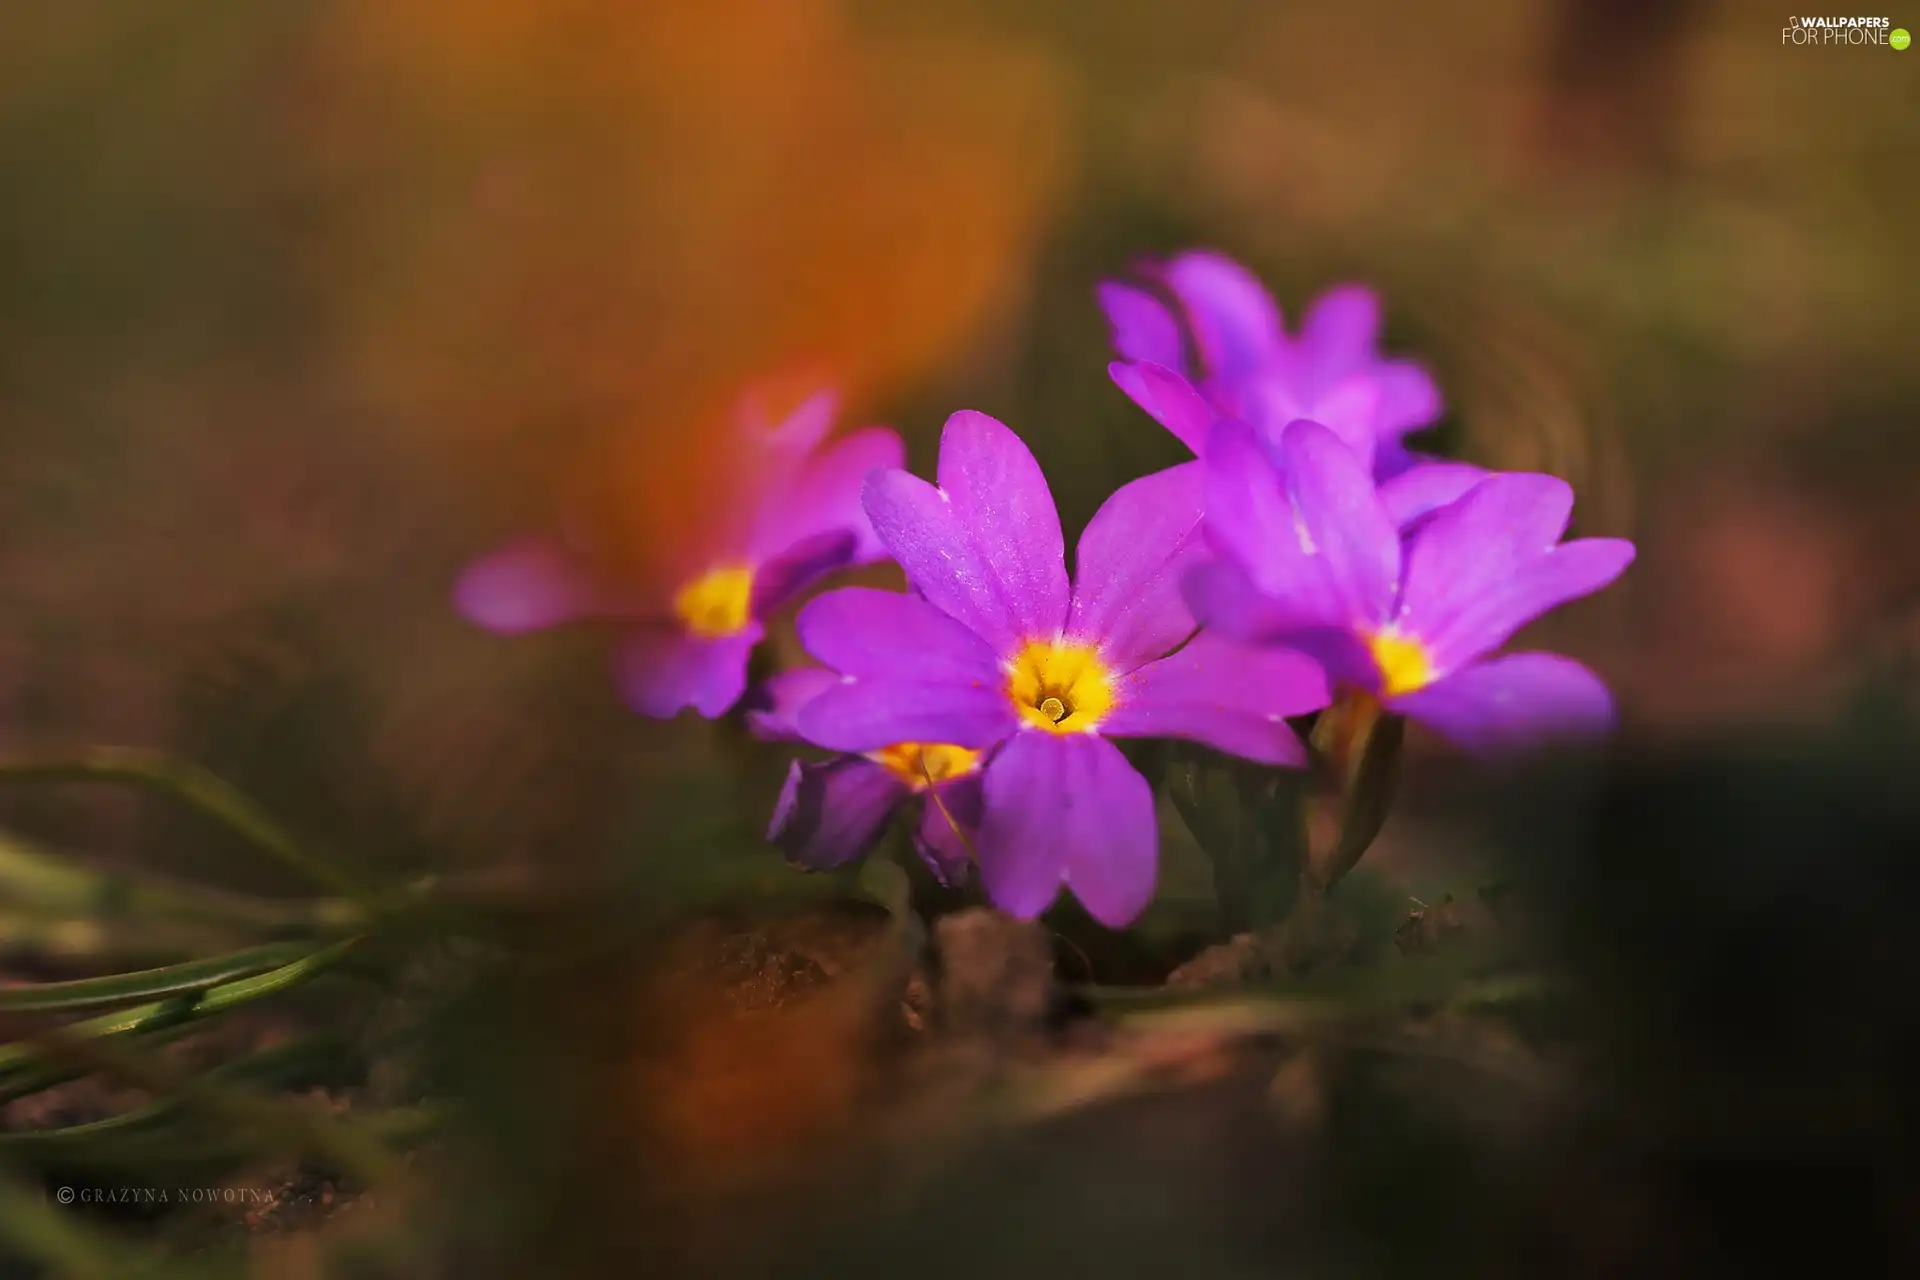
834,812
1000,654
1310,558
831,813
692,624
1409,496
1250,368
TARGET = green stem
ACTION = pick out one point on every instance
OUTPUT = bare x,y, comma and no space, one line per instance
1356,744
193,786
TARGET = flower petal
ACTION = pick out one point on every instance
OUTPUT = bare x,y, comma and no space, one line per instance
1235,321
824,497
1143,328
866,715
994,482
1346,531
1248,521
1130,564
1479,625
1304,524
945,849
985,547
806,562
1345,408
1424,488
774,708
770,456
1512,517
1409,399
1225,601
1511,702
830,813
794,436
1487,564
528,585
1223,694
1392,459
660,671
861,631
1340,331
1168,398
1067,808
1478,542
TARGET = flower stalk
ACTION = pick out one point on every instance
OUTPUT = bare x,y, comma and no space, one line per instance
1356,746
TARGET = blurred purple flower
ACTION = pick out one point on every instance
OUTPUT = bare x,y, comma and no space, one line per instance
1410,496
1250,368
691,626
1000,654
1310,558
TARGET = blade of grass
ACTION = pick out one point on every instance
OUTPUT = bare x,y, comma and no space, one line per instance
150,984
73,896
67,1246
34,1077
236,1110
282,1066
195,787
171,1012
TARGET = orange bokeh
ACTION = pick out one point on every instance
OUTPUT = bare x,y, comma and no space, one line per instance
639,209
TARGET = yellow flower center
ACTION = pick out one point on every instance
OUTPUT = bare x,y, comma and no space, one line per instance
917,763
1060,686
1403,661
717,604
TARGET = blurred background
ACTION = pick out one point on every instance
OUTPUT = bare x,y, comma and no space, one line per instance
303,303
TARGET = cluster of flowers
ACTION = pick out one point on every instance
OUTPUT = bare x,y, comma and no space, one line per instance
1305,552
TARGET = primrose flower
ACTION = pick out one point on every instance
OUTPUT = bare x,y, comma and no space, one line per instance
1409,496
1250,368
793,517
1311,559
1001,655
833,812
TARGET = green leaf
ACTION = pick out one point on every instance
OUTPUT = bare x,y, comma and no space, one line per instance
68,1246
195,787
167,1013
1246,818
281,1067
150,984
59,906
